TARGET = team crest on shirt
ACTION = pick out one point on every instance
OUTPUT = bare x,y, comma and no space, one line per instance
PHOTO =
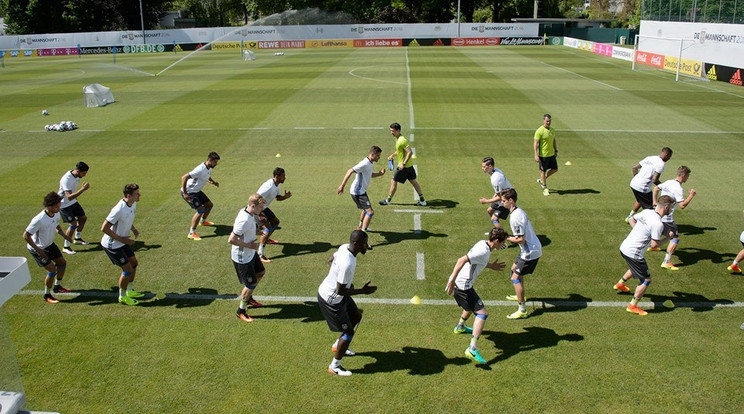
122,260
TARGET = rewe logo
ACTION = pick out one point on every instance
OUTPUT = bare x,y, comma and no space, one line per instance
736,79
712,73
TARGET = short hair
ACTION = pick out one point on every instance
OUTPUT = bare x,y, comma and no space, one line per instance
547,116
358,236
509,194
52,199
665,200
375,150
395,126
129,189
667,150
488,161
497,234
213,156
256,199
683,170
81,166
278,171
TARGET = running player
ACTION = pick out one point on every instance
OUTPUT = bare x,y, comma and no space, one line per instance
364,174
247,264
191,191
673,189
270,191
646,172
404,171
72,212
496,211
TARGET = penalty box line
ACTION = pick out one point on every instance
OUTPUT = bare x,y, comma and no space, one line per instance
534,304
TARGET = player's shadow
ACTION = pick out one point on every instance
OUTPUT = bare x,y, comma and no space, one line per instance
194,298
394,237
438,203
690,230
305,312
575,191
415,360
544,240
697,302
573,303
220,230
299,249
511,344
94,297
691,255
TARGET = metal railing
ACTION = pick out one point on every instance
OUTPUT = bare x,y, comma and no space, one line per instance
700,11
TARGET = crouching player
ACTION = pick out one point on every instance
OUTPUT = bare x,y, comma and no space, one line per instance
247,263
460,284
335,298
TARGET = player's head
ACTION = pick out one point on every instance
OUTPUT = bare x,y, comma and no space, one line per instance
255,203
374,153
395,129
81,169
212,159
497,236
279,175
510,195
358,241
546,120
52,199
664,204
683,173
666,153
487,164
131,192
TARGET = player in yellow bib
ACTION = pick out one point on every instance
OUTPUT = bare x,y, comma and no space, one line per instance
404,170
546,152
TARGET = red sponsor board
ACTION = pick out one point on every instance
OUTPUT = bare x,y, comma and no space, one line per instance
476,41
378,42
282,44
651,59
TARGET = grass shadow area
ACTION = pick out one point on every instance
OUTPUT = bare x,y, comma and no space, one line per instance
195,297
305,312
394,237
219,231
511,344
572,303
94,297
415,360
690,230
574,191
691,255
698,303
299,249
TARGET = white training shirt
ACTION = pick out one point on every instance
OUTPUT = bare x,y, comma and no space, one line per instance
268,190
649,165
342,271
648,226
531,249
499,181
478,258
671,188
122,218
199,178
42,229
68,182
363,172
245,229
741,238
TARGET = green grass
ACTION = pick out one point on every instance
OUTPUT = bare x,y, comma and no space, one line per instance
173,354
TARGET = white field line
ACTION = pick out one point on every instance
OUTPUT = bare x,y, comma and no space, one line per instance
582,76
198,129
420,268
311,128
418,211
417,223
351,72
535,304
411,125
144,130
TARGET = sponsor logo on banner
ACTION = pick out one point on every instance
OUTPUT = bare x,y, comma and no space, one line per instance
712,73
651,59
622,53
330,43
688,67
143,49
703,36
602,49
522,41
476,41
736,79
281,44
378,42
225,45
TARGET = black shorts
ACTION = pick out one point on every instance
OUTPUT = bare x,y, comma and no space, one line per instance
670,228
468,300
71,213
362,201
638,268
337,316
525,267
500,211
268,214
407,173
120,256
52,252
548,163
644,199
198,200
247,271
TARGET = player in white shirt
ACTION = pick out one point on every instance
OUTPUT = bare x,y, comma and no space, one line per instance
734,267
39,237
335,298
248,265
496,210
645,173
530,250
647,226
192,184
117,244
673,189
364,171
460,284
270,192
72,212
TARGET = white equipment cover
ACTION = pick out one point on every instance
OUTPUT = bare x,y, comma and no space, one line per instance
97,95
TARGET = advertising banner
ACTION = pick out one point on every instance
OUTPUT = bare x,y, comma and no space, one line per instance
706,42
724,73
378,42
687,66
330,43
476,41
650,59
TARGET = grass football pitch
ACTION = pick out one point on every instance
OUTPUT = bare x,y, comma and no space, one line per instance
184,350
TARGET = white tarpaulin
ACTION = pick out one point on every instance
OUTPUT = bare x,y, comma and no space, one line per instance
97,95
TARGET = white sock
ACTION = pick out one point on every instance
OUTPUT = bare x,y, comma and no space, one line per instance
667,258
56,282
122,293
522,308
335,344
67,244
335,363
192,230
46,290
129,287
260,249
77,234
